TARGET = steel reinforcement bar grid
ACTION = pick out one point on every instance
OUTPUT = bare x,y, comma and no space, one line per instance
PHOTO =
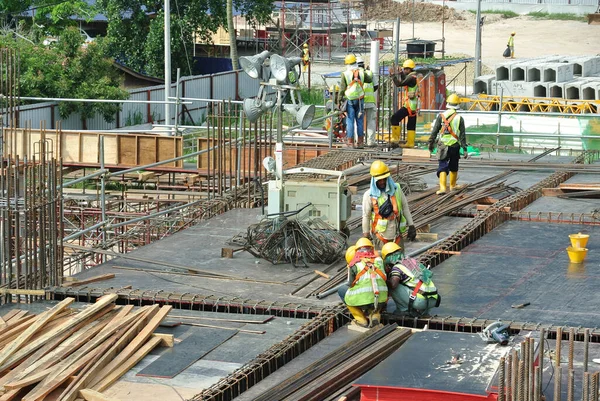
486,220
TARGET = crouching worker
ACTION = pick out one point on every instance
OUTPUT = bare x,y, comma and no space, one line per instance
365,293
409,282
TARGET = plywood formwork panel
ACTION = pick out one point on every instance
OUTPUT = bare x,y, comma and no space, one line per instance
83,148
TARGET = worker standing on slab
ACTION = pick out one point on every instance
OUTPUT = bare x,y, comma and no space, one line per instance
386,215
305,57
409,282
410,102
370,106
448,132
511,44
366,291
352,82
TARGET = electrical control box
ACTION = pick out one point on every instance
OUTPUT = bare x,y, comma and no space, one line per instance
327,192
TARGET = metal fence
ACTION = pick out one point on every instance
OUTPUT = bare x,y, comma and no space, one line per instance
227,85
542,2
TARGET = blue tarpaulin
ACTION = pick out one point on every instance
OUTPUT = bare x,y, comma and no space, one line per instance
211,65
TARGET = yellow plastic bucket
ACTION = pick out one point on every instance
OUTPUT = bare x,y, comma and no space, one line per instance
576,255
579,240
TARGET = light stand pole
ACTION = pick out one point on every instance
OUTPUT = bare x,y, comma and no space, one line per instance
279,147
167,63
478,41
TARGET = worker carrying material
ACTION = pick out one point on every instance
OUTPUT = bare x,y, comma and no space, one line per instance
353,79
305,57
511,44
448,132
370,106
386,215
409,282
406,78
365,293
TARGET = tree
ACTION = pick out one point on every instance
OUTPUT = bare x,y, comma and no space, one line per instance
232,39
135,29
67,70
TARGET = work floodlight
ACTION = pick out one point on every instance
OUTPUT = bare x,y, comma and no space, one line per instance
281,66
252,65
304,114
254,108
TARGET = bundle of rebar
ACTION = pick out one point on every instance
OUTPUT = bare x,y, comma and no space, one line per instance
295,241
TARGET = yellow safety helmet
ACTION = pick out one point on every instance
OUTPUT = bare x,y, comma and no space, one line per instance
409,64
350,59
379,170
513,33
305,45
350,254
453,101
362,242
389,248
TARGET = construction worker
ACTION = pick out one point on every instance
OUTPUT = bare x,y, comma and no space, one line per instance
351,86
409,282
365,290
370,106
410,102
386,215
448,132
511,44
305,57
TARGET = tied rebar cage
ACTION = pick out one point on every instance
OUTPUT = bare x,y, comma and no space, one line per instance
30,210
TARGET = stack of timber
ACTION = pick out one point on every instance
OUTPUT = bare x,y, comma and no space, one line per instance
72,354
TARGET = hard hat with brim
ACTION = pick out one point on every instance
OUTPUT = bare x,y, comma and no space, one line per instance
382,176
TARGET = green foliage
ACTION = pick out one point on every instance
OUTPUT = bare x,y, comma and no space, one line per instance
136,119
135,29
557,16
504,13
69,71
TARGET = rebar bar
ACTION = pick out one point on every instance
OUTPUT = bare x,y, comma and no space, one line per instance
501,380
571,347
571,385
586,387
521,381
557,383
557,349
586,349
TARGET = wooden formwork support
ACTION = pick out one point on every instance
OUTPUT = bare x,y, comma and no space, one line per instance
83,148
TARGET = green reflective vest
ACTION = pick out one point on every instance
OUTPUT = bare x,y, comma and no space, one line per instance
427,289
446,137
362,292
411,96
382,223
369,92
354,90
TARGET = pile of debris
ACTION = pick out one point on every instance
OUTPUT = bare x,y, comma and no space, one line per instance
421,12
73,354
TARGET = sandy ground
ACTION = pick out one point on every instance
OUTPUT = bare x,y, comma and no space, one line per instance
533,38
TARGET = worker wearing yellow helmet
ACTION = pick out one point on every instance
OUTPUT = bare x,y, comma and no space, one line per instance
365,292
406,78
351,86
386,215
409,282
449,136
305,57
511,44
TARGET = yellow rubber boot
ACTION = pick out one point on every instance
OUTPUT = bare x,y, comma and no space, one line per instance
395,134
453,178
410,138
358,315
375,319
443,177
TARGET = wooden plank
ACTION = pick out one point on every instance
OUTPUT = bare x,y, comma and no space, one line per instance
427,237
94,279
91,395
191,349
127,364
11,332
10,395
552,192
14,291
131,348
168,340
223,328
74,321
421,153
579,187
86,377
42,319
10,314
320,273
